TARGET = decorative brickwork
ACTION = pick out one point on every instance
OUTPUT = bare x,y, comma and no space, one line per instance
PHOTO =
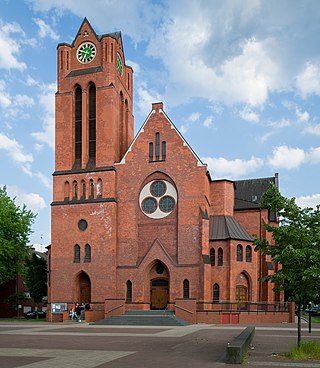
144,207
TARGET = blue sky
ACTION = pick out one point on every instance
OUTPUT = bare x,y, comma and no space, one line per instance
239,79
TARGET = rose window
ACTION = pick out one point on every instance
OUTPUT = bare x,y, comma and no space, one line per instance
157,199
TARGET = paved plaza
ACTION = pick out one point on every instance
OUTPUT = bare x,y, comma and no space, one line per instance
80,345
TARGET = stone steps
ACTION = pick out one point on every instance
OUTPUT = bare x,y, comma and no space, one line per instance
144,318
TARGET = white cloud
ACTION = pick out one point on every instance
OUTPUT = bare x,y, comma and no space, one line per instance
45,30
308,201
313,156
279,124
284,157
33,201
10,47
264,138
302,116
208,121
312,129
145,99
46,101
14,150
43,178
194,117
5,99
183,129
23,100
308,81
223,168
249,115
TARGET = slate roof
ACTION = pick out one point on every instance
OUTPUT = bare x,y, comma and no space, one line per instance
226,227
248,193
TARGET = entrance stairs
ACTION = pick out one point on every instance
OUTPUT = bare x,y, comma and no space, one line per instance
144,318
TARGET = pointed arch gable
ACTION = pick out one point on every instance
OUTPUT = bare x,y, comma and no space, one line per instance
157,252
184,142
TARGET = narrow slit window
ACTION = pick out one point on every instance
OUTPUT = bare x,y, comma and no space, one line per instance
92,122
76,258
78,124
164,150
220,257
150,151
186,291
216,293
87,253
157,146
212,257
129,291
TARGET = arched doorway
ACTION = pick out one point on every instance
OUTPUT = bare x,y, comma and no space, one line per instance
242,291
159,286
84,288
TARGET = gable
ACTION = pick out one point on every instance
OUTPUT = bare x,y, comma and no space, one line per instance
157,108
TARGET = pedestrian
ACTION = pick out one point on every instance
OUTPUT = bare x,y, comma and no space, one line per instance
78,312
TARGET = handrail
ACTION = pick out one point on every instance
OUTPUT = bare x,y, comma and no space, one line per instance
184,309
114,308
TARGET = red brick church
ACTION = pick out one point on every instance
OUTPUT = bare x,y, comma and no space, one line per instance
137,222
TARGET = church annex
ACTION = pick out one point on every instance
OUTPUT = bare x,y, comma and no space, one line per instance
137,222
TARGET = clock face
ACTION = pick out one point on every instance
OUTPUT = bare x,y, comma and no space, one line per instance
86,52
119,64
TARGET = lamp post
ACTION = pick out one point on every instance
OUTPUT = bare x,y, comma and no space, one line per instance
309,317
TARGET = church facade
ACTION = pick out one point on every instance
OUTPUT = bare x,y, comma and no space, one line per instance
138,221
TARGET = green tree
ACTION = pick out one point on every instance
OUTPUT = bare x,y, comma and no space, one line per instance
36,277
15,228
296,249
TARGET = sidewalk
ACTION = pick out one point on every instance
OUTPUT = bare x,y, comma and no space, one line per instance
68,345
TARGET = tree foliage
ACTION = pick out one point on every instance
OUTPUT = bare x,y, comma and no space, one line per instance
15,228
296,249
36,277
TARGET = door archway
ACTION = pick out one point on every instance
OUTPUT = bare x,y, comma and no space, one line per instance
159,286
84,288
242,290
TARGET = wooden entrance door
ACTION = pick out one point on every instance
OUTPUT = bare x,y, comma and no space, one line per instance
242,296
159,294
85,289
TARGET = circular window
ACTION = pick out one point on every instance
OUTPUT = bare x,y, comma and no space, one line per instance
166,204
158,188
159,269
158,198
82,225
149,205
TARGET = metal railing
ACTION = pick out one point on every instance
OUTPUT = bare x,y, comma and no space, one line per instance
243,306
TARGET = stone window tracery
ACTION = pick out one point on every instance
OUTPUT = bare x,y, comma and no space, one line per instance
158,199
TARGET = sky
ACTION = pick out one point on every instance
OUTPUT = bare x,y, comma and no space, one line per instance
240,79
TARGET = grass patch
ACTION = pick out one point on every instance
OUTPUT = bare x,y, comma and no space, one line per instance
306,350
315,319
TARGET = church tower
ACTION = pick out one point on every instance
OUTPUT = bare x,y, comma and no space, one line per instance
93,129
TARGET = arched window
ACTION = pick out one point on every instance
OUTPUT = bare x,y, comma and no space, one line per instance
129,291
87,253
122,125
239,253
212,257
99,188
186,289
216,293
91,188
78,126
248,253
83,189
66,191
76,254
92,123
75,190
220,257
